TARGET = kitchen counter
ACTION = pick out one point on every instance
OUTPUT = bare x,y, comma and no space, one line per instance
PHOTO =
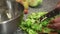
47,5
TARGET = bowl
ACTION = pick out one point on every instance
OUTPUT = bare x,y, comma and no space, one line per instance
9,26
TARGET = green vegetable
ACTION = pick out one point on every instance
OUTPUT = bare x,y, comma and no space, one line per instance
47,30
33,15
29,22
44,23
34,3
30,31
37,27
36,15
33,24
22,27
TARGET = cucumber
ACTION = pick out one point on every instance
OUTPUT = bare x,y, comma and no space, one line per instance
35,3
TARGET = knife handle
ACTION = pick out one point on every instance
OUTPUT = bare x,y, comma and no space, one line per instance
52,13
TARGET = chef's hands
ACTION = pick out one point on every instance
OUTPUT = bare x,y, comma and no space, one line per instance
55,24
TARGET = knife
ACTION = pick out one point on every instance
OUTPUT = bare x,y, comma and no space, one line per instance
52,13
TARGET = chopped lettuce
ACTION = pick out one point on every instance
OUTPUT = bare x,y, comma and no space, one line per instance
35,3
33,24
37,27
46,30
31,31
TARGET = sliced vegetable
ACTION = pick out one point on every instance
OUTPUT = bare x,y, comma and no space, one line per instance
32,24
30,31
47,30
34,3
37,27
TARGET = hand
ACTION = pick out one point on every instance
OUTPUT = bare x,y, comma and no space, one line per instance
55,24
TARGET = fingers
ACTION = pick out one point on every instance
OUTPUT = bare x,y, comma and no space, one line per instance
55,26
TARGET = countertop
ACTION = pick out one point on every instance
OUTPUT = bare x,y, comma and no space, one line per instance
47,5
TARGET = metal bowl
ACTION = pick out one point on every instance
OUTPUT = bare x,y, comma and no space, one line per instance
10,25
